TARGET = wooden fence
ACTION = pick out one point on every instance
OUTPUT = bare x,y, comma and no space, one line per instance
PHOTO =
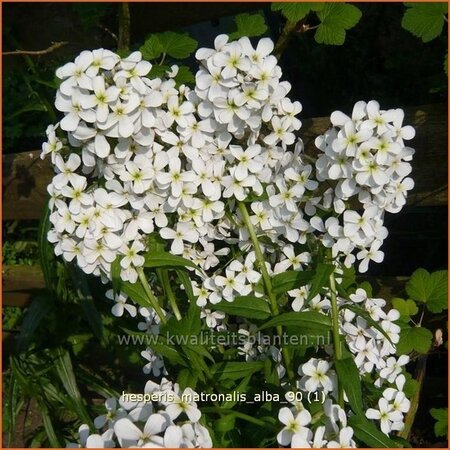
26,176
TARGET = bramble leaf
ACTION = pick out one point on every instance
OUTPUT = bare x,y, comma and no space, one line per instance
430,289
441,415
298,10
406,308
176,45
335,19
425,20
415,338
249,25
152,48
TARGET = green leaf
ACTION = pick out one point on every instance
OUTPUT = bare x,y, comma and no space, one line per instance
415,338
249,25
441,415
46,254
186,281
430,289
38,310
177,45
48,425
369,434
310,320
411,385
406,308
64,368
335,19
225,423
152,48
296,11
348,376
321,278
158,71
136,292
292,279
115,274
85,300
164,259
425,20
247,306
231,370
446,64
184,76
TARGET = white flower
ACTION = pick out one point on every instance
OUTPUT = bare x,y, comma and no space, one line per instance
345,439
129,434
293,424
315,375
387,416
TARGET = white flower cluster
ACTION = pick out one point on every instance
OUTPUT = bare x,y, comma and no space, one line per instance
367,158
144,156
297,433
147,149
166,417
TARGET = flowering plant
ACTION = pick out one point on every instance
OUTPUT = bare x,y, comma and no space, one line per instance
234,248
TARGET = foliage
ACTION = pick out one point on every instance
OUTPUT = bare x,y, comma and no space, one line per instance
441,416
249,25
425,20
334,18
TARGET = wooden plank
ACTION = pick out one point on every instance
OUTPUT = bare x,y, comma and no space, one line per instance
25,175
19,282
24,182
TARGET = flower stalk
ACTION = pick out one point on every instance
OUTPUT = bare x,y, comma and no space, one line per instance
267,284
150,296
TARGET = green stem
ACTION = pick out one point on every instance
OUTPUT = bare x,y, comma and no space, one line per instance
170,294
336,336
218,410
151,297
411,415
124,27
267,284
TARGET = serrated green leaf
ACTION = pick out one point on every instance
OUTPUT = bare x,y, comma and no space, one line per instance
425,20
177,45
406,308
335,19
310,320
184,76
369,434
296,11
158,71
249,25
348,377
292,279
411,385
415,338
246,306
152,48
441,426
430,289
